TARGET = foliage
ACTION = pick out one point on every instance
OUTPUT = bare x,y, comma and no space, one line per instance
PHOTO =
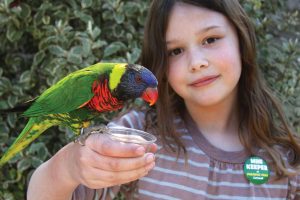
42,41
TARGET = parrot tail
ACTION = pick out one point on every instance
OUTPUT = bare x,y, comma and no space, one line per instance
34,128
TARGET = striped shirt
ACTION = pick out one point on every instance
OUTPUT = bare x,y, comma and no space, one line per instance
211,173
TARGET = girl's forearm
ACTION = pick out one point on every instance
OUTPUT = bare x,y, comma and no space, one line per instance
51,180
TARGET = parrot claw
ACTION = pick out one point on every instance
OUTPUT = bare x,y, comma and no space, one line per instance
85,133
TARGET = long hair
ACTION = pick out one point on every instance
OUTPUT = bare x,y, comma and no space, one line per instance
262,123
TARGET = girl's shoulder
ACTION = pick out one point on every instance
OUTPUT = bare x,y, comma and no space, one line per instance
132,119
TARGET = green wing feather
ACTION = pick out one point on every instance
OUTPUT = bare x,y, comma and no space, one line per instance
61,99
70,92
34,128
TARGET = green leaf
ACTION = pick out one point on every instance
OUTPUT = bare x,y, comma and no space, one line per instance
113,48
12,119
38,57
16,90
39,150
119,17
37,19
16,22
96,32
86,47
23,164
76,50
25,11
134,56
46,19
57,50
86,3
25,76
7,3
5,83
35,162
99,44
3,128
12,101
82,16
13,34
74,58
8,196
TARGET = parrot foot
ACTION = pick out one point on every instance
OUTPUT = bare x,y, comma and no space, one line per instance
85,133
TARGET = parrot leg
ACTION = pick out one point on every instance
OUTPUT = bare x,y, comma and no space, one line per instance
86,132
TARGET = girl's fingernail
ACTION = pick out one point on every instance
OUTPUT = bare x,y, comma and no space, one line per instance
150,166
150,158
140,150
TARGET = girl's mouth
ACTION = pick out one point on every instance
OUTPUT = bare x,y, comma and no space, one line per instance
204,81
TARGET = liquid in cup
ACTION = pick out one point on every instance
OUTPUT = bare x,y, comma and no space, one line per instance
130,135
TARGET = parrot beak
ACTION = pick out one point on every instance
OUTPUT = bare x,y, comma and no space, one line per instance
150,95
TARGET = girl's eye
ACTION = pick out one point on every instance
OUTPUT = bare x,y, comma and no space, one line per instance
210,40
175,52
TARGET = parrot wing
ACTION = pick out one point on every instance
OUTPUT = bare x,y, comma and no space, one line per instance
66,95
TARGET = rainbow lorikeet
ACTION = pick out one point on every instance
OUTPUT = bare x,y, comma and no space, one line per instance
80,96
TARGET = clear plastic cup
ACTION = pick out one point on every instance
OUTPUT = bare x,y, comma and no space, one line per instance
130,135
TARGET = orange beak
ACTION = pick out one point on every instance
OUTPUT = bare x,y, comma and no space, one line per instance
150,95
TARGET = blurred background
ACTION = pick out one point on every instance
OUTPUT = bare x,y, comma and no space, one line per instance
42,41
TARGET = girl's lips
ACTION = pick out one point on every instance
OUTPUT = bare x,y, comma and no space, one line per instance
204,81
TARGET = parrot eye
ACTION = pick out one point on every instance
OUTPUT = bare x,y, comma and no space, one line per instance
138,79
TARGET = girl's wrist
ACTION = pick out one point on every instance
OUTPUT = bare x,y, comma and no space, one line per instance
58,165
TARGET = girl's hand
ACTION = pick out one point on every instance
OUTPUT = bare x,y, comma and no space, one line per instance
103,162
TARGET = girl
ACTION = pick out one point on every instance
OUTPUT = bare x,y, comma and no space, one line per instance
215,120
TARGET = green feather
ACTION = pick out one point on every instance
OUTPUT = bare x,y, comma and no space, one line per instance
59,105
33,129
70,92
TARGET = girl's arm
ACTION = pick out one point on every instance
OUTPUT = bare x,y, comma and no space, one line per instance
100,163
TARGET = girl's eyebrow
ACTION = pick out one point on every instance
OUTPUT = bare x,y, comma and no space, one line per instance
206,29
201,31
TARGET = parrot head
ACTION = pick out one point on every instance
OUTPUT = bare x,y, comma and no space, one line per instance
136,82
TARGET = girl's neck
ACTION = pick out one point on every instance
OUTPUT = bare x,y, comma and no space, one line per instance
218,123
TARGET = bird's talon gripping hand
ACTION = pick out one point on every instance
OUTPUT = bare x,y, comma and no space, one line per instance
85,133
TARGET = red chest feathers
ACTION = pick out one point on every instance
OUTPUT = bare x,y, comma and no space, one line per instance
103,100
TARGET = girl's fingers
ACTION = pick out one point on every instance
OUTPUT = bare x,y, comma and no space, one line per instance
102,144
98,178
117,164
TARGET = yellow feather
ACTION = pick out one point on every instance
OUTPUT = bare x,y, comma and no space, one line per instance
115,75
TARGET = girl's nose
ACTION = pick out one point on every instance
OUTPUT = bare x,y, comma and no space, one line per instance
197,61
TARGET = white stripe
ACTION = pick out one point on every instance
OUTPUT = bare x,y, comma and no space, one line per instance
177,120
196,151
187,137
170,158
219,183
128,119
139,118
192,149
200,192
180,173
295,184
156,195
182,130
198,164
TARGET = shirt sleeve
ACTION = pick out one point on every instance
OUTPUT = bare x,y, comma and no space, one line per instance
83,192
133,119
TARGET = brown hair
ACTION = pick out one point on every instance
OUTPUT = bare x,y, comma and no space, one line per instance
261,121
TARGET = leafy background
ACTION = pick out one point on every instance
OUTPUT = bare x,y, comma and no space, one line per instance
42,41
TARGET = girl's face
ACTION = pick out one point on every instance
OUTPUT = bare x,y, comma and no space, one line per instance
204,58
